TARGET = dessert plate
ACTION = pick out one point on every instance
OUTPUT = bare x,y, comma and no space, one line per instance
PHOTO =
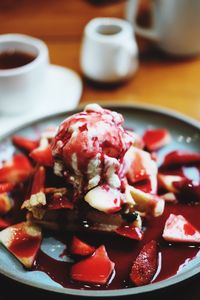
186,135
63,91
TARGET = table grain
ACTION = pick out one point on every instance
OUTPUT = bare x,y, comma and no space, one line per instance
165,81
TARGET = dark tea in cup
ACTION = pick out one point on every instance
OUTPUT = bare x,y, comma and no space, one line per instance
12,58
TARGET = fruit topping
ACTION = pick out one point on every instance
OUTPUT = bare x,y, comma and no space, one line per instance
180,158
15,171
4,223
6,203
168,182
145,264
130,231
37,198
140,166
23,241
154,139
169,197
78,247
38,180
95,269
178,229
6,187
43,156
25,143
104,198
147,203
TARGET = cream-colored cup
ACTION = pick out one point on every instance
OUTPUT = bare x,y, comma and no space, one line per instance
109,51
21,88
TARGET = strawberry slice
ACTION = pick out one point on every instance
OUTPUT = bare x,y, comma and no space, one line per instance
16,170
140,165
4,223
178,229
95,269
23,241
171,183
36,190
24,143
141,169
6,187
6,203
145,265
79,247
43,156
180,158
38,180
130,231
154,139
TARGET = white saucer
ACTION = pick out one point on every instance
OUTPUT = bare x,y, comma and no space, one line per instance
63,92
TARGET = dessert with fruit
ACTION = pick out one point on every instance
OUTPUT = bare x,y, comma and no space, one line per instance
121,210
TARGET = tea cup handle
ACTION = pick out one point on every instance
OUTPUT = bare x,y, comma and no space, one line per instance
131,16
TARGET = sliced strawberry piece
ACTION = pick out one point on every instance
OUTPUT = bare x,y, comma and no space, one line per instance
168,182
35,193
6,187
130,231
140,167
43,156
24,143
38,180
178,229
180,158
23,241
4,223
6,203
145,265
94,269
79,247
16,170
154,139
104,198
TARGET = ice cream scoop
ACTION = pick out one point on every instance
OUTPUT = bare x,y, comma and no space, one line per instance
89,148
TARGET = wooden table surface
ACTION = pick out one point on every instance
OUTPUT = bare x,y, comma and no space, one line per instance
160,80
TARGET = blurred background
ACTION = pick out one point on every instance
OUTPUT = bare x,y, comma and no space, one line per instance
160,80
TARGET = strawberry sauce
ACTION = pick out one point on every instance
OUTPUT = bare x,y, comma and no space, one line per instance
123,251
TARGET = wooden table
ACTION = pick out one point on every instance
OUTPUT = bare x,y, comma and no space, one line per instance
160,80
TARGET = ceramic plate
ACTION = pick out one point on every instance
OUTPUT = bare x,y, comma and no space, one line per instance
186,135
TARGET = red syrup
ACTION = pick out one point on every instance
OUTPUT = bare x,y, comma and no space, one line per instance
121,251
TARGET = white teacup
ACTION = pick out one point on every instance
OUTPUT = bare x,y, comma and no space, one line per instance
21,87
109,51
175,25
